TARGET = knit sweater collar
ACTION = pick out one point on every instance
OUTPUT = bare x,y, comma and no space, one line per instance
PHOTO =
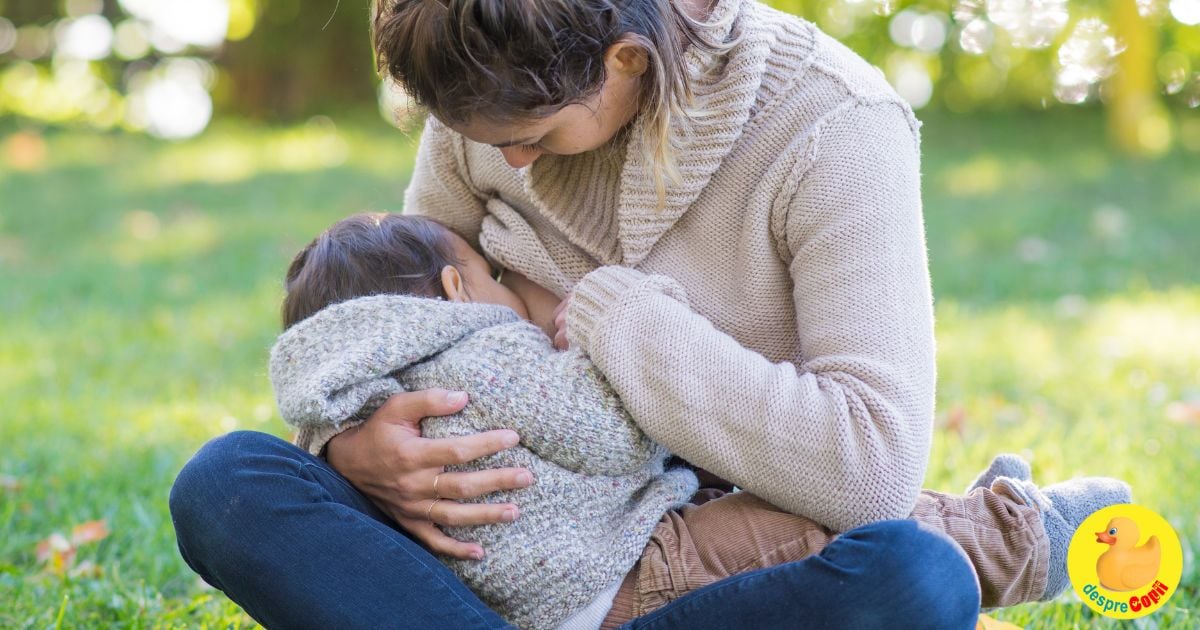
608,206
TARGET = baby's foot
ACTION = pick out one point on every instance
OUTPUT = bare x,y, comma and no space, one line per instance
1003,465
1064,506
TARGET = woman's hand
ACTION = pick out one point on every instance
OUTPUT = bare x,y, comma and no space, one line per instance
387,460
560,324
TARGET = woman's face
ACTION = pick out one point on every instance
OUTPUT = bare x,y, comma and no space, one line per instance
575,128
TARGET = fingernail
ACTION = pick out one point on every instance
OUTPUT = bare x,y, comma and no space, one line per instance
525,479
511,439
509,515
455,398
477,554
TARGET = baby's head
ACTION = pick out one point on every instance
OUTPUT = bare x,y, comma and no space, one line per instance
384,253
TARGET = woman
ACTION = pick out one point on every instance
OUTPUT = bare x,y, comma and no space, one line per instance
586,144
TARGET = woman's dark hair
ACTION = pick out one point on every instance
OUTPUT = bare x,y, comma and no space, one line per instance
368,254
511,61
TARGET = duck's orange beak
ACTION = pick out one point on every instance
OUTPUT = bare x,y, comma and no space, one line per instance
1103,537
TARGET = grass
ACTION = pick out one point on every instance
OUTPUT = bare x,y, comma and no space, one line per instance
141,283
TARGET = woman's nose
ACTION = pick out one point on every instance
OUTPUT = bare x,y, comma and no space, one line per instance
518,157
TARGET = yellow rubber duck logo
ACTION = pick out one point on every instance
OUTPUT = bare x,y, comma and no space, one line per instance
1127,566
1125,561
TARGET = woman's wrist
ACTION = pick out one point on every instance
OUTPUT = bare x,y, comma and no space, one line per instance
600,292
593,297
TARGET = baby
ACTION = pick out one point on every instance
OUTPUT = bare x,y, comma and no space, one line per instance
384,303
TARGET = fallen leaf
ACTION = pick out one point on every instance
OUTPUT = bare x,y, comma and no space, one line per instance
987,623
57,553
1184,412
90,531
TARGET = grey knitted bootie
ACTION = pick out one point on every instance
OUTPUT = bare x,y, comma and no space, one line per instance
1064,506
1003,465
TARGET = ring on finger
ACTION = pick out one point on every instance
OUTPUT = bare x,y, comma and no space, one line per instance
436,494
429,509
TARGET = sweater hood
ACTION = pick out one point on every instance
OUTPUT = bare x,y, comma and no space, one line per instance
337,364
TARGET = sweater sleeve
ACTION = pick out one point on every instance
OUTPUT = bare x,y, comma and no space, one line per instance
439,188
842,434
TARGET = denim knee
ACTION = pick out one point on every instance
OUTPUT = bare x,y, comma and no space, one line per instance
204,492
929,571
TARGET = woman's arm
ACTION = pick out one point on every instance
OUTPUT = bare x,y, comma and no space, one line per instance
842,434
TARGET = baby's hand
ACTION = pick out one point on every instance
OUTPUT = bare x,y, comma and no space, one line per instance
560,324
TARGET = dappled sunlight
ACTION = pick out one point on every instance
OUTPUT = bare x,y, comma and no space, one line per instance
231,154
146,238
1035,346
1081,388
225,158
982,175
1160,330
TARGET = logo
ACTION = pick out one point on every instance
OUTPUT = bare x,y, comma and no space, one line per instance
1125,561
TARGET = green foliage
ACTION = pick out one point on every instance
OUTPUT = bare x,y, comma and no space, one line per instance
142,281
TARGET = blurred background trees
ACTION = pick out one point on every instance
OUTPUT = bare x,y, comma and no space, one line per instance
165,66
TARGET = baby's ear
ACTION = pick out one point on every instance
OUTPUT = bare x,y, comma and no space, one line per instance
452,284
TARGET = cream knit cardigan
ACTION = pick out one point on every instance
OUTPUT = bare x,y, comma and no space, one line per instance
803,368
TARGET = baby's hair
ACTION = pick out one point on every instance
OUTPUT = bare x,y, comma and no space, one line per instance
368,254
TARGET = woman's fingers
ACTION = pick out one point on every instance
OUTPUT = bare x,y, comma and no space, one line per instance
454,514
438,542
460,450
468,485
410,407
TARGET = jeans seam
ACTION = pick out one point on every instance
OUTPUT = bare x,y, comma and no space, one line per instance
337,477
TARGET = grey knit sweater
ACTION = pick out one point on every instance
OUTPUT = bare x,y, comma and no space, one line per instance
601,484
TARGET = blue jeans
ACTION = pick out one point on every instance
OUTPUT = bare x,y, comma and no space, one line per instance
295,545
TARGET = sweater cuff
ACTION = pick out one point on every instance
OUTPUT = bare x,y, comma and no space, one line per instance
314,439
596,295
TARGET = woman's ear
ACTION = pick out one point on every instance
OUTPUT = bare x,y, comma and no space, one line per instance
627,57
452,284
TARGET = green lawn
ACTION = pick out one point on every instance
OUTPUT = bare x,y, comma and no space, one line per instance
140,282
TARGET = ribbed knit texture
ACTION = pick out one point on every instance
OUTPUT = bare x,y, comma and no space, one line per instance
601,484
803,367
